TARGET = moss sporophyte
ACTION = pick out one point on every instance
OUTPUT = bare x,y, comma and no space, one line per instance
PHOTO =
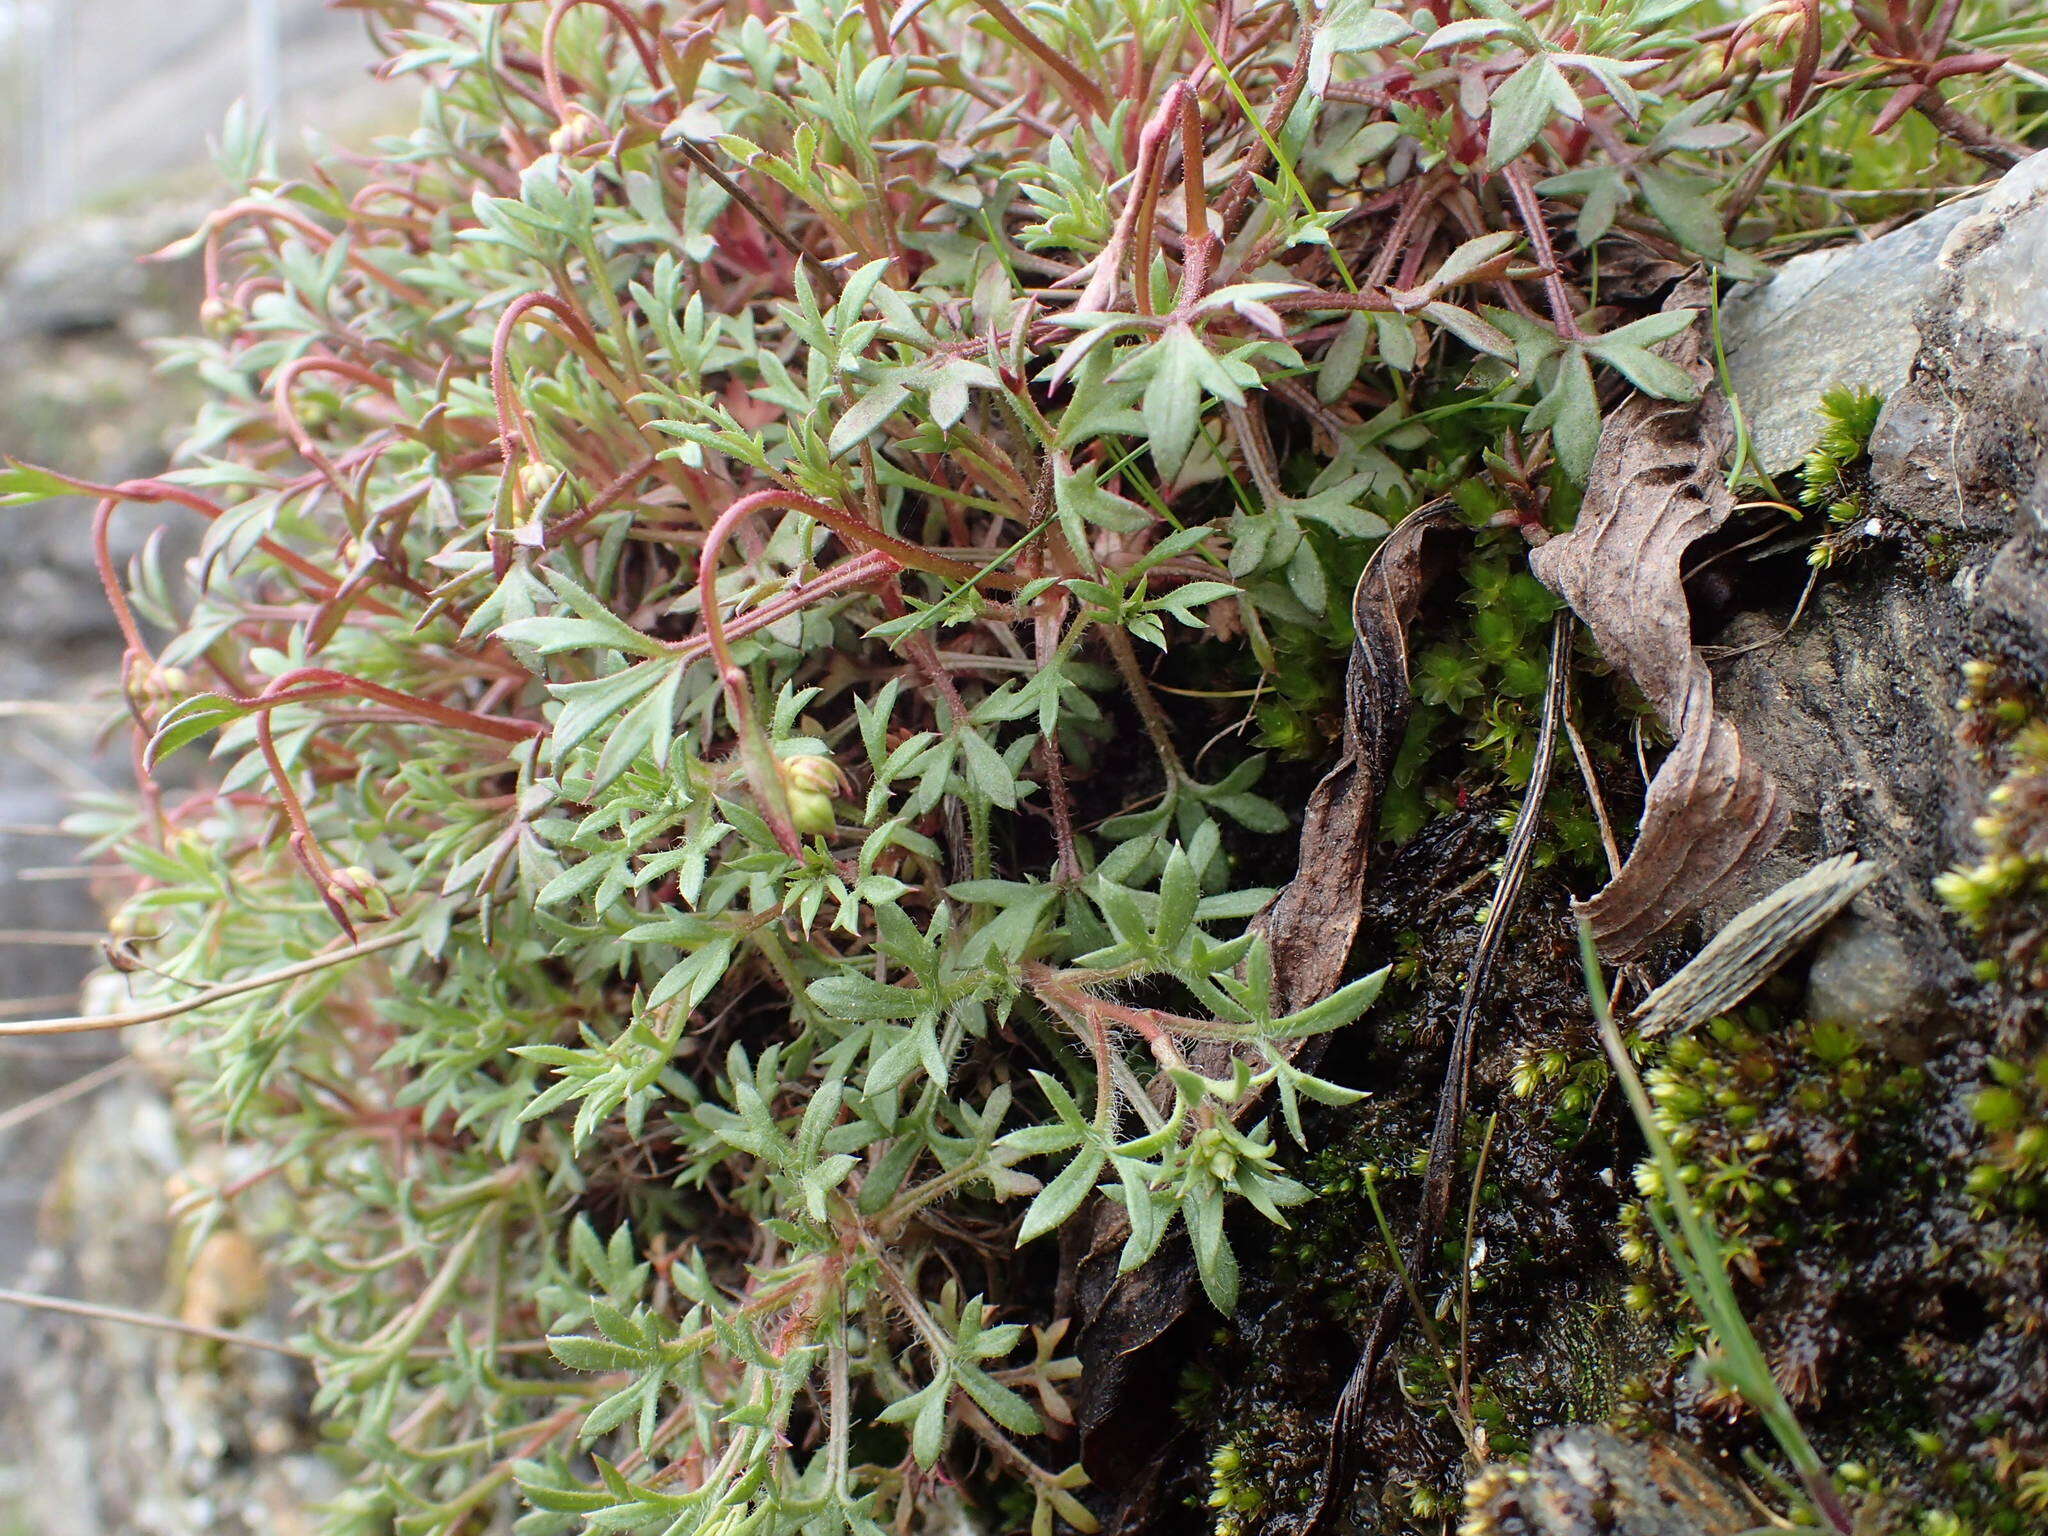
744,560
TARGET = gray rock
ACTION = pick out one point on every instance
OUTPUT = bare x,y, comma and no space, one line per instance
1866,978
123,1429
77,391
1854,711
1996,257
1590,1481
1828,318
82,282
1963,444
87,275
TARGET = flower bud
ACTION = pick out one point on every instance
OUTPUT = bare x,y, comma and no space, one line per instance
1778,22
316,413
577,131
156,687
221,319
535,481
359,888
810,782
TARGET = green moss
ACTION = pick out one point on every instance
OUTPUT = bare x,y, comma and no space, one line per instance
1831,474
1879,1221
2003,896
1746,1101
1233,1495
2011,1171
1478,702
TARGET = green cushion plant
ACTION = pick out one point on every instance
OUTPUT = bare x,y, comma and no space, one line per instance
743,556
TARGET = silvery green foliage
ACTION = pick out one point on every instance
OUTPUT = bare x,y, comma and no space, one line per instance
690,526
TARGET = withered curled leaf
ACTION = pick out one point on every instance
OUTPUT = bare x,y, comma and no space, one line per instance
1655,488
1311,923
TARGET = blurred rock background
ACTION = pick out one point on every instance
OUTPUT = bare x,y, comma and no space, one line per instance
106,109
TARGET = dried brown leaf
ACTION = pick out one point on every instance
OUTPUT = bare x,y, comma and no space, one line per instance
1310,925
1655,488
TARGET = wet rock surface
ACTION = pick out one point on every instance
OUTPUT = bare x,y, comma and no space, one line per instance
1908,1287
1838,316
1548,1335
1831,1118
1863,977
1589,1481
1855,710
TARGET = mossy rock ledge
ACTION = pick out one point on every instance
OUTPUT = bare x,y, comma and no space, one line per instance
1880,1094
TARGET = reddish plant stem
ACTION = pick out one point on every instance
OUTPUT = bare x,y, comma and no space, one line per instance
757,753
551,72
306,684
511,421
1231,211
1808,61
1416,249
1531,214
276,213
777,230
1144,244
1076,87
1198,256
1157,726
288,422
364,196
1066,863
925,657
1388,256
1100,294
1315,298
878,28
1969,135
160,490
614,491
110,581
1099,1013
567,321
304,845
913,557
869,566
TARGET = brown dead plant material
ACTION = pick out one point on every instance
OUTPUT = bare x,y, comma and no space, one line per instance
1655,488
1312,922
1754,945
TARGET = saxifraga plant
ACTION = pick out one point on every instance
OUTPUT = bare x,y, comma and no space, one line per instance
706,863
